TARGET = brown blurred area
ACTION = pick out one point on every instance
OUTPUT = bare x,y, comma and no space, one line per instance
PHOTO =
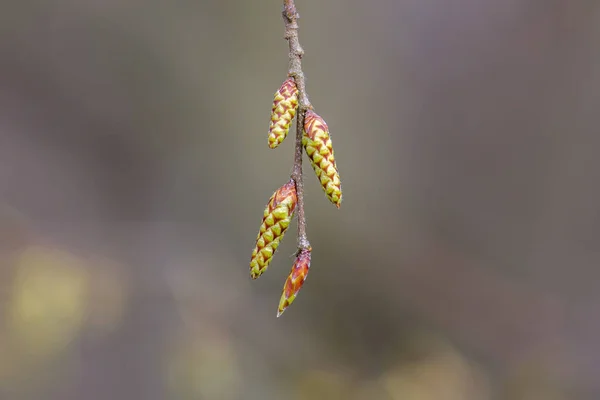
134,168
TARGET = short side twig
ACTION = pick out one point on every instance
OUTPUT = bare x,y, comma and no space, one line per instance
290,19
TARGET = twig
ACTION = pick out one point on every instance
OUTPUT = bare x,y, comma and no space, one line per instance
290,19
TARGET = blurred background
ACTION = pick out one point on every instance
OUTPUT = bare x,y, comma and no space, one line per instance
134,170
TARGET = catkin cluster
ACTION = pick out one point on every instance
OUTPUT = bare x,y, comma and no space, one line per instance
281,207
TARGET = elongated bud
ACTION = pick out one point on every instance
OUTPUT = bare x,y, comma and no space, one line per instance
283,111
318,146
295,280
276,219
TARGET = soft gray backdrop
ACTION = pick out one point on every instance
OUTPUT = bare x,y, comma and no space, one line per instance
134,168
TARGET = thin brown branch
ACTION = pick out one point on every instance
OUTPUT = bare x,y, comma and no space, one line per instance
290,19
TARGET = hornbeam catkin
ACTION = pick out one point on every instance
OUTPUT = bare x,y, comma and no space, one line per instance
283,112
318,146
276,220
